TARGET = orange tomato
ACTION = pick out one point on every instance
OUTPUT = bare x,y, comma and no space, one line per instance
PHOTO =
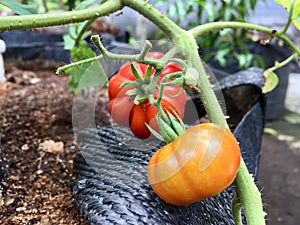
199,164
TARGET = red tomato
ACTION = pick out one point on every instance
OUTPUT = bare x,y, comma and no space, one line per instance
198,164
125,112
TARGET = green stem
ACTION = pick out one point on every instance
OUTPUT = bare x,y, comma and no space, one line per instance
145,50
43,20
236,210
89,60
158,64
200,30
283,63
83,30
289,19
249,196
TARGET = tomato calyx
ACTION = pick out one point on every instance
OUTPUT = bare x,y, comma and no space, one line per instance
169,122
142,88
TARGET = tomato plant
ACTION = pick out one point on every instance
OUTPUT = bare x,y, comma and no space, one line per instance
198,164
125,111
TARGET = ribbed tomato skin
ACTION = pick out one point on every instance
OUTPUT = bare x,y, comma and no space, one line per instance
199,164
122,108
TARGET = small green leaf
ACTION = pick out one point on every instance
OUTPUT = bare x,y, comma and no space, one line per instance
271,81
19,8
271,131
135,72
245,60
85,4
92,76
68,42
297,21
221,56
156,134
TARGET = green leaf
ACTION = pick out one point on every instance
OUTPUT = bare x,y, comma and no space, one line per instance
221,56
296,11
85,4
93,76
19,8
271,81
68,42
271,131
297,19
244,60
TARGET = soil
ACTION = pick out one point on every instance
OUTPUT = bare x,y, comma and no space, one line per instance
38,143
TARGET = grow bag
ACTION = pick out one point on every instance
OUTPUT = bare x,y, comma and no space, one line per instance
31,45
111,167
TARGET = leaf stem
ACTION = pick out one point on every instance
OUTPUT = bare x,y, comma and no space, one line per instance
283,63
89,60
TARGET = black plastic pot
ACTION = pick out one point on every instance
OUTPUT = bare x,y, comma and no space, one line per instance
31,45
270,53
111,167
275,99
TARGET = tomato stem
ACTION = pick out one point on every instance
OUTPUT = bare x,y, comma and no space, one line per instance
236,207
249,196
208,27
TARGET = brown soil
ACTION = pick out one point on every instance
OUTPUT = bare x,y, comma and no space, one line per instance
38,143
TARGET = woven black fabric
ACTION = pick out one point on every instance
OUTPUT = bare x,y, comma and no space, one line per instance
112,185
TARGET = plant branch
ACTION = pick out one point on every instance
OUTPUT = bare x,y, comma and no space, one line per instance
42,20
158,64
83,30
283,63
201,29
78,63
289,19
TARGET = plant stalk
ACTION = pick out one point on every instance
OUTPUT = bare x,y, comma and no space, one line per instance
249,196
43,20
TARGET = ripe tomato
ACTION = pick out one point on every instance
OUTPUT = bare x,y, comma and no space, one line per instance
198,164
122,108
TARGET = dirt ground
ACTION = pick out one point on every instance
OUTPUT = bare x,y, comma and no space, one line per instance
279,174
38,143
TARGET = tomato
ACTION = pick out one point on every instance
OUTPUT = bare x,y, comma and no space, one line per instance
198,164
122,108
